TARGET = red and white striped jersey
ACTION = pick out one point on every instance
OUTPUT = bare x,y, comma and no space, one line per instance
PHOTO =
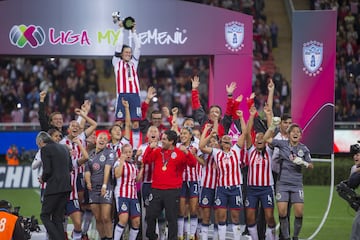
209,172
228,166
76,155
192,174
117,146
75,152
259,173
126,77
148,168
126,183
37,164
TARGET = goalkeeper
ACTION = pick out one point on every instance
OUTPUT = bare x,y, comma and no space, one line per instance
293,156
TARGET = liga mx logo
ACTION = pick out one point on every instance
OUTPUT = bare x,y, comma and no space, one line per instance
312,57
234,35
21,35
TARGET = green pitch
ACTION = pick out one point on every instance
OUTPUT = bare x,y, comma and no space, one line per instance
337,225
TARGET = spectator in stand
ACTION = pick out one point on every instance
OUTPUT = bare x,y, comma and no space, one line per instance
12,156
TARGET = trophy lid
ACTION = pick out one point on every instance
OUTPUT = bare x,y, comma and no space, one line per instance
129,23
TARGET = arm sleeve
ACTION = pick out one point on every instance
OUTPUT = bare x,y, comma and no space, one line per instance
43,118
137,45
354,180
120,41
46,164
148,155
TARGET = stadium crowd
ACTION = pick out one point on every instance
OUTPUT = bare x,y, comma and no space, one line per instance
66,80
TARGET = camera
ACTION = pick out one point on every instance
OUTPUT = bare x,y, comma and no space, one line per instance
355,148
30,224
348,194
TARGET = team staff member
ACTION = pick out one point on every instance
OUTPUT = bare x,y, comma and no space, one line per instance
56,173
169,164
10,226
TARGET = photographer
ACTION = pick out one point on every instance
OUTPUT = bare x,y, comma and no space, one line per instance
354,182
10,226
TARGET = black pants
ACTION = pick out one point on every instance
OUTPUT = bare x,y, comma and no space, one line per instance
168,199
52,215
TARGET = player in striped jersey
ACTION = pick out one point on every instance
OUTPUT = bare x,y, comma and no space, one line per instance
127,203
228,191
208,186
73,207
116,139
259,181
125,62
190,186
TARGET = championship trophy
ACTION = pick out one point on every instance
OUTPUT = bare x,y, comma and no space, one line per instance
127,22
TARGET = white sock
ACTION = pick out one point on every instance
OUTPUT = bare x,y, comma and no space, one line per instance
237,231
162,230
222,231
205,231
186,225
193,225
180,222
270,233
87,217
65,223
253,232
118,231
76,235
133,233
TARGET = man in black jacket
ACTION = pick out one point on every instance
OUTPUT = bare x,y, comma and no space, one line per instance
56,173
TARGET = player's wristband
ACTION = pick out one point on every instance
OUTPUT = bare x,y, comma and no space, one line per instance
104,186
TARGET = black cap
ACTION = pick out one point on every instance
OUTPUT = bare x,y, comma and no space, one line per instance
355,148
5,204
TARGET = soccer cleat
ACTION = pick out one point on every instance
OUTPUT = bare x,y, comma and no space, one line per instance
85,237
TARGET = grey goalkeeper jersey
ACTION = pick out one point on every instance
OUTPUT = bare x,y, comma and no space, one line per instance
290,173
96,166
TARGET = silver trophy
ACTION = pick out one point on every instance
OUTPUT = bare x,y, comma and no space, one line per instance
127,22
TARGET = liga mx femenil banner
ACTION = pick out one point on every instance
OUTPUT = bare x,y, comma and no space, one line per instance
313,70
84,28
